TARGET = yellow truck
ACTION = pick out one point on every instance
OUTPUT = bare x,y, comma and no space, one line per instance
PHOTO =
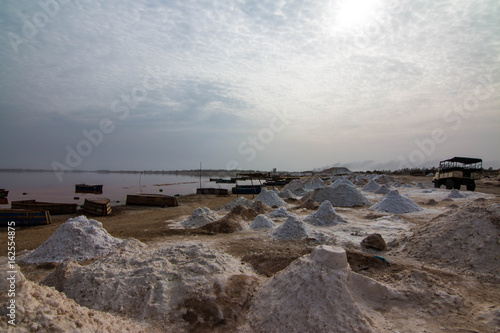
458,171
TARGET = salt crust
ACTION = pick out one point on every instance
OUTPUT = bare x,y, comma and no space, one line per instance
325,216
76,239
395,203
455,194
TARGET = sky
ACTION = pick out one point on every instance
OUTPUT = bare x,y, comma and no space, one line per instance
292,85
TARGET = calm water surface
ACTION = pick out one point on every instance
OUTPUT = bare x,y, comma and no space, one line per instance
45,186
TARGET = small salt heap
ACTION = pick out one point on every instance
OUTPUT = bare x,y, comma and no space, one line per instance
325,216
342,181
199,218
76,239
372,186
262,222
280,212
396,204
292,229
287,194
270,198
382,190
240,201
455,194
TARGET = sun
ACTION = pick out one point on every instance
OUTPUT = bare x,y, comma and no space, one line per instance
348,14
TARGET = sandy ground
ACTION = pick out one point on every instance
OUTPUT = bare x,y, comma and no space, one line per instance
267,256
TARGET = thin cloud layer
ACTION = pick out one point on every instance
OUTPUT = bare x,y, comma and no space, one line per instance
287,84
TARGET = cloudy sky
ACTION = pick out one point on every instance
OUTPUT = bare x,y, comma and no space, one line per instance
293,85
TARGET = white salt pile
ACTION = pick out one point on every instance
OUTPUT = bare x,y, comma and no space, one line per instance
296,186
199,218
395,203
162,284
342,181
455,194
342,195
325,216
292,229
76,239
318,293
287,194
280,212
313,183
43,309
382,190
372,186
270,198
240,201
467,241
384,179
301,186
262,222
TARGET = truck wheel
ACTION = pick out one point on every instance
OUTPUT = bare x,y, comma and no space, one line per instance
457,186
449,184
437,184
471,187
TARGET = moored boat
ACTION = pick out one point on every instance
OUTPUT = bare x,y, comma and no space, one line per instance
3,193
84,188
215,191
246,189
53,207
98,206
160,200
23,217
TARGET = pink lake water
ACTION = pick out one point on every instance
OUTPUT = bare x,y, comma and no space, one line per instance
45,186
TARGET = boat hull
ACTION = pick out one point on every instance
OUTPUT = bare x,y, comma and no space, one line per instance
23,217
52,207
98,207
84,188
159,200
214,191
247,189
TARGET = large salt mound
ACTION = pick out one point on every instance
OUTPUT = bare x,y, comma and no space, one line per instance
300,186
43,309
270,198
372,186
395,203
292,229
317,293
199,218
168,285
465,240
455,194
76,239
342,195
262,222
325,216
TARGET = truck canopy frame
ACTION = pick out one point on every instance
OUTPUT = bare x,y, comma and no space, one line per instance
461,162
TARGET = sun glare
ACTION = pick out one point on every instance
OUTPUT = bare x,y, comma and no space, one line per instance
354,13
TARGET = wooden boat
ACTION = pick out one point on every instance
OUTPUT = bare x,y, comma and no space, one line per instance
84,188
52,207
216,191
223,181
246,189
98,206
3,193
24,217
160,200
